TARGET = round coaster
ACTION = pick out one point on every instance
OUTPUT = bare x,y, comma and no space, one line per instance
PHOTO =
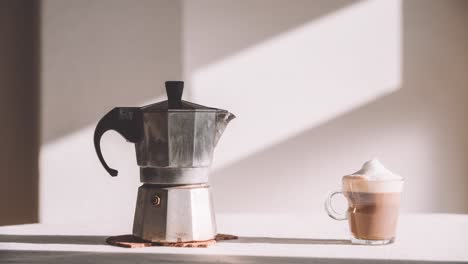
130,241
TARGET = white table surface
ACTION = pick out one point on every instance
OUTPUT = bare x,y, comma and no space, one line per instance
263,239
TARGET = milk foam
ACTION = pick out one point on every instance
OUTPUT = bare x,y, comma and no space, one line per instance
373,170
373,177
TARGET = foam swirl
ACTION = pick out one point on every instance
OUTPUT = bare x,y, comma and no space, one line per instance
373,177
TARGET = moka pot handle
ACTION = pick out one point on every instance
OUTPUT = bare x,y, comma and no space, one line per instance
127,121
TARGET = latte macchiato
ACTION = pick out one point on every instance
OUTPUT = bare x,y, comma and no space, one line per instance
373,195
373,207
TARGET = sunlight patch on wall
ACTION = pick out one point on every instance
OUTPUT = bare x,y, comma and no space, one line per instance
75,188
303,78
74,185
278,88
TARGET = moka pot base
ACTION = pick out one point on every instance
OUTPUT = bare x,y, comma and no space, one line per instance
180,213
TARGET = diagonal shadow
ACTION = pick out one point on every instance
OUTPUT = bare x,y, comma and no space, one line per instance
298,162
95,58
237,34
120,75
415,122
102,76
81,110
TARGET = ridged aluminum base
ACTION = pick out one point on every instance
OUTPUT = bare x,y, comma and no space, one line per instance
174,214
174,176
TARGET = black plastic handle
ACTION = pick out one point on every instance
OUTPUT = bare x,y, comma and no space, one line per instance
174,90
127,121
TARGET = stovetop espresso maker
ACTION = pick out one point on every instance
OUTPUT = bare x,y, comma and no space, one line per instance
174,143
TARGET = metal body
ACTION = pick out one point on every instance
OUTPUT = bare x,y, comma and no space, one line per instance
183,213
174,144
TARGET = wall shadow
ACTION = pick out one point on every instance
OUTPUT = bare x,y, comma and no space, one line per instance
121,52
19,111
245,24
102,54
97,55
421,123
134,48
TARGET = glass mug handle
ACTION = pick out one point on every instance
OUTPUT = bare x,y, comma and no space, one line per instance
331,210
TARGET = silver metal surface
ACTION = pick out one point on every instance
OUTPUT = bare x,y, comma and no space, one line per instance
177,149
184,213
222,120
171,176
174,144
177,139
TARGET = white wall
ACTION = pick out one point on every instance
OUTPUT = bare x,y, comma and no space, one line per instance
318,87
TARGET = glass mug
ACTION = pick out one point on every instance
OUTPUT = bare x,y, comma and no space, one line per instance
373,207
